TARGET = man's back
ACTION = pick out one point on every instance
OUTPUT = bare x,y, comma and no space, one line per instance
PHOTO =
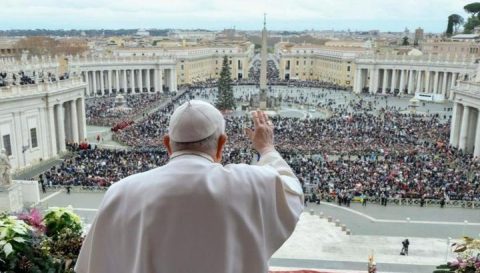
193,215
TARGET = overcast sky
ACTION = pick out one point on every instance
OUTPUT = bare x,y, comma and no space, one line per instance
385,15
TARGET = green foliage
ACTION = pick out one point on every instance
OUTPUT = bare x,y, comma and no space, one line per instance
449,31
25,248
21,249
225,98
58,219
454,23
473,8
471,23
405,41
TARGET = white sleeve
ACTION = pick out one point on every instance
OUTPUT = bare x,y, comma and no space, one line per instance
290,181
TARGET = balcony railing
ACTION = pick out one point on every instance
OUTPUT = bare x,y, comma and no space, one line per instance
33,89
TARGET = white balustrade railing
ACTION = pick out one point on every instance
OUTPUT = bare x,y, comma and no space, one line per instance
423,59
468,87
161,60
33,89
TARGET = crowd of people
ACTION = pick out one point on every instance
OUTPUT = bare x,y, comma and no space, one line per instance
23,78
364,149
101,111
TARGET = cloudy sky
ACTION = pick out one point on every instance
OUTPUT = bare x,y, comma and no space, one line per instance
386,15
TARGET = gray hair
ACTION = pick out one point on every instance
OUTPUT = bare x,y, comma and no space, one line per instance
205,145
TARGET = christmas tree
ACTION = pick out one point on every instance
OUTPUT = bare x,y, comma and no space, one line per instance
225,99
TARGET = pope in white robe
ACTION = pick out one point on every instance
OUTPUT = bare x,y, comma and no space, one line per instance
194,215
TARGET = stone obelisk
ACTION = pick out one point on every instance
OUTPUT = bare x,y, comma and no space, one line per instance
263,66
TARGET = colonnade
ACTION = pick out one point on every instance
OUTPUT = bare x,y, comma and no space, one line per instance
67,124
406,81
465,128
101,82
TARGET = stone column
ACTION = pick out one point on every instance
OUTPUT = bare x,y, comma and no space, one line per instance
402,81
356,80
87,81
435,83
444,84
427,81
132,80
109,75
52,131
155,80
371,84
173,80
148,83
384,83
94,83
456,124
410,82
476,151
140,80
102,82
462,142
419,81
74,121
472,123
160,80
394,80
82,122
117,81
125,81
61,128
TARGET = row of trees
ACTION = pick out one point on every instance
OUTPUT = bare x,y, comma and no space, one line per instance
41,45
455,21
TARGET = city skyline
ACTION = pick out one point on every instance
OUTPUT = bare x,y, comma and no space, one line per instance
386,15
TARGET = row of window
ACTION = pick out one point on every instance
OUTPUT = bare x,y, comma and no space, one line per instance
7,144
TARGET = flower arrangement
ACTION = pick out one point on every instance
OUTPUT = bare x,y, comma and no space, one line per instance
467,260
30,243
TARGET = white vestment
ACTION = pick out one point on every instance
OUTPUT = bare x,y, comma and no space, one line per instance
194,216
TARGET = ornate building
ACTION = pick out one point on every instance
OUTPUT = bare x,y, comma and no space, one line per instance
334,65
37,120
465,129
426,74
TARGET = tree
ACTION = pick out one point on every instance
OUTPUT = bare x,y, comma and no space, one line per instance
454,23
41,45
457,21
474,20
473,8
37,45
405,41
225,98
471,23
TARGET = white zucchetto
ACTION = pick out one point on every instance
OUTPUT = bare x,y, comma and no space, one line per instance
195,120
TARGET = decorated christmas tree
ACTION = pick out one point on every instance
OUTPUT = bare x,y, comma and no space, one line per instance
225,98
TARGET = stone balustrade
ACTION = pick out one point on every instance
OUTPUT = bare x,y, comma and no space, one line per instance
32,89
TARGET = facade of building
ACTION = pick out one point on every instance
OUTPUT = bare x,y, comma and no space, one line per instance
199,62
107,75
36,121
459,48
319,63
411,74
465,129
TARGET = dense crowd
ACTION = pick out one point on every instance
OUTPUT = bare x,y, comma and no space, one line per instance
365,148
23,78
101,111
97,167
